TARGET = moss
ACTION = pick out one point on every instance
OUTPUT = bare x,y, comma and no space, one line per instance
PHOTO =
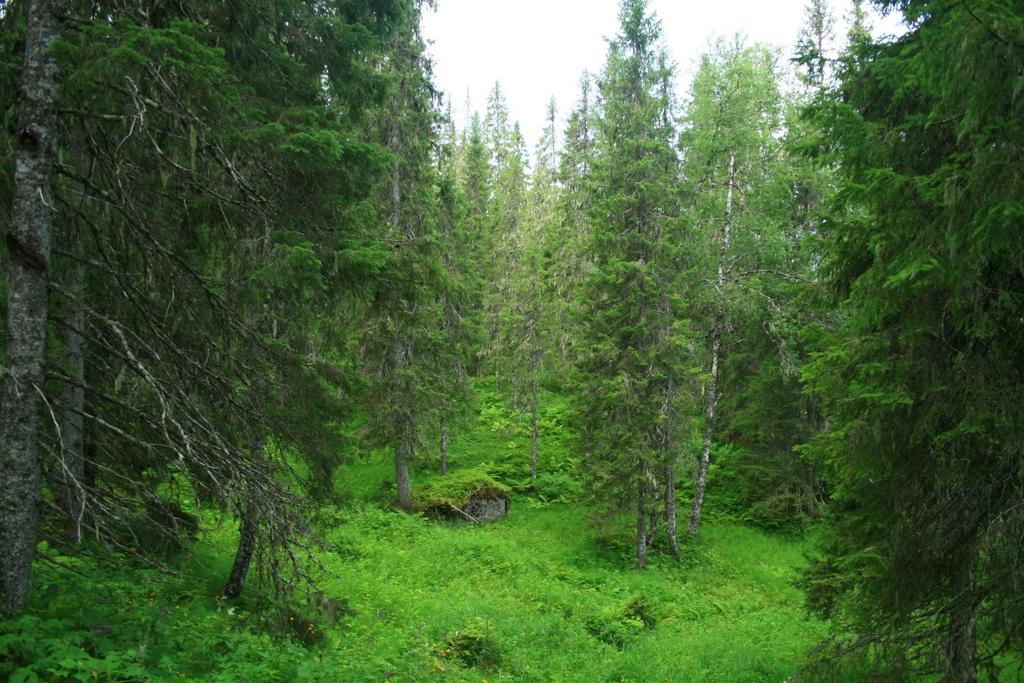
454,491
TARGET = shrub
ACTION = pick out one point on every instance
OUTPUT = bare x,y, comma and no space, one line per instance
473,645
619,624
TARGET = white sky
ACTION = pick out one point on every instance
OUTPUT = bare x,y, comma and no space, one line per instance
539,48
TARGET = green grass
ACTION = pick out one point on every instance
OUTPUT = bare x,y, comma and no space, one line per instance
542,595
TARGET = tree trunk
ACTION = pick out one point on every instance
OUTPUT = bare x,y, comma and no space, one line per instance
652,525
247,529
404,429
28,248
444,446
403,456
716,354
962,646
72,424
670,509
244,553
533,428
709,426
641,526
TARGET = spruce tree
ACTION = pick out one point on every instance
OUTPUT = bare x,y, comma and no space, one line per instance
525,332
405,318
568,261
921,376
630,371
218,208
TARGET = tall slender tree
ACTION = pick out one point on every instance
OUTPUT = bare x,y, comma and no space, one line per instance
732,151
405,315
631,367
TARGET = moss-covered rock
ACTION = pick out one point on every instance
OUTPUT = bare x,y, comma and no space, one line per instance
471,494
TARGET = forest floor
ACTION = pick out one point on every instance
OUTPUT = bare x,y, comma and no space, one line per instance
542,595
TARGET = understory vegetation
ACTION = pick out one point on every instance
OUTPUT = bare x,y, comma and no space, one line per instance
543,595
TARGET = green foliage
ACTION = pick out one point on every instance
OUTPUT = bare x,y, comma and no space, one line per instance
618,624
554,487
919,376
40,649
535,598
631,369
294,262
751,260
770,490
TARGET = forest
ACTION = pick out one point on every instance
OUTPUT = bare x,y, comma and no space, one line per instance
305,380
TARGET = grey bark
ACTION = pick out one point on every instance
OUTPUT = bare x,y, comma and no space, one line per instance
404,430
652,525
670,509
533,427
72,423
444,446
243,555
28,247
641,526
247,528
716,357
403,456
403,434
962,643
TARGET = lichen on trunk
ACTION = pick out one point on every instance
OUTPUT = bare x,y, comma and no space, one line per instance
28,249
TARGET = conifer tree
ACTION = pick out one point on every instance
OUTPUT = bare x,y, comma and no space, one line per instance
458,334
202,201
567,255
506,213
403,334
524,342
630,371
815,42
921,376
474,187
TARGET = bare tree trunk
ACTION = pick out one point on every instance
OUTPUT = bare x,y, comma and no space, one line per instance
641,526
444,446
403,456
652,525
404,429
28,247
962,646
533,427
716,354
248,526
244,553
670,508
72,424
709,426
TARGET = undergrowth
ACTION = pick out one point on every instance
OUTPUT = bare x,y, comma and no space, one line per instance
541,595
